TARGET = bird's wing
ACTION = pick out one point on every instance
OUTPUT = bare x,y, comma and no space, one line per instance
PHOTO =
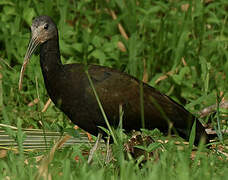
114,85
116,88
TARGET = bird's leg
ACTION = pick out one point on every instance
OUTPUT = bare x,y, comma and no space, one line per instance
108,152
94,148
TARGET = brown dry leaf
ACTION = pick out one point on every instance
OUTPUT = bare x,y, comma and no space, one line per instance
3,153
145,74
184,7
63,140
7,178
208,1
121,46
183,61
223,98
161,78
77,159
88,134
26,161
224,153
39,158
138,139
223,150
32,103
89,137
193,155
165,76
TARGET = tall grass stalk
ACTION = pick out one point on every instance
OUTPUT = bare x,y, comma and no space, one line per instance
100,106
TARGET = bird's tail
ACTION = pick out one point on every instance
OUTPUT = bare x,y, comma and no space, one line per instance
201,133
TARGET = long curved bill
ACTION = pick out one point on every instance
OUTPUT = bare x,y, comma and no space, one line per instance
34,42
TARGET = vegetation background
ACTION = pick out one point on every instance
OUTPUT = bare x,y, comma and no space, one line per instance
177,46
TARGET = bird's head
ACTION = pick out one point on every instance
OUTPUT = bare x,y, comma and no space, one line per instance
42,30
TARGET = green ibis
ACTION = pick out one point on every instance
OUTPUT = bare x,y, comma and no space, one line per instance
70,89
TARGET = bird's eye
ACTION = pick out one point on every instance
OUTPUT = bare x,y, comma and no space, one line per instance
46,26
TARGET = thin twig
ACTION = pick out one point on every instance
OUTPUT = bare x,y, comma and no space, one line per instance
7,64
43,169
121,29
46,105
166,75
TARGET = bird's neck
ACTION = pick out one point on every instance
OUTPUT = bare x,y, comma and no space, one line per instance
52,67
50,58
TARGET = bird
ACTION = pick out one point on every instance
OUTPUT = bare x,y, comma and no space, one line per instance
69,87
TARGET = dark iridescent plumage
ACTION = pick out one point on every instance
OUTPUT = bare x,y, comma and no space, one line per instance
69,88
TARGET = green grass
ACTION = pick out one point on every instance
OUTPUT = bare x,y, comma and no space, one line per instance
189,46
